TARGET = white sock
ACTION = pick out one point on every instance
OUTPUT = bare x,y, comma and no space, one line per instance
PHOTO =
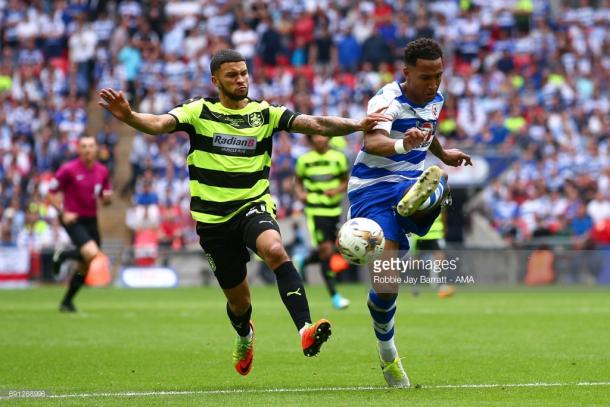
303,329
387,350
248,337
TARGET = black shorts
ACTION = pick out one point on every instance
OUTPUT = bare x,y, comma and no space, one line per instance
323,228
225,244
428,244
83,230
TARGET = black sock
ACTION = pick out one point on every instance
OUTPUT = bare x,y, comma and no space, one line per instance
328,276
73,254
314,257
240,323
76,282
292,292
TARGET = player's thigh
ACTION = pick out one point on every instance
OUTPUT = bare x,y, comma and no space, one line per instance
91,248
79,233
253,223
226,254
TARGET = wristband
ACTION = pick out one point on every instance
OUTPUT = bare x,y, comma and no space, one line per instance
399,147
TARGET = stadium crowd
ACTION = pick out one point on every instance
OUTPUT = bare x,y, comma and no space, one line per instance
521,78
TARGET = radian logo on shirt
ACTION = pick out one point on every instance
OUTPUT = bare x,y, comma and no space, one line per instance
233,145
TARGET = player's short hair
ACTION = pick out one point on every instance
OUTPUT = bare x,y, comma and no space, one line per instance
87,135
223,56
422,48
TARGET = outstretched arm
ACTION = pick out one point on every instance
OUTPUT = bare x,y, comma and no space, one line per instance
116,104
331,126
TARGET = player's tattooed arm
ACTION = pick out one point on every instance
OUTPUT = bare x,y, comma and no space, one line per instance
331,126
116,104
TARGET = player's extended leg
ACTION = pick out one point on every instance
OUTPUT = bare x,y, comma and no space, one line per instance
426,194
290,285
239,310
325,251
382,307
87,253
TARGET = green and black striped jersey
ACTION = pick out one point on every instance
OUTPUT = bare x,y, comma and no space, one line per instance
230,155
319,173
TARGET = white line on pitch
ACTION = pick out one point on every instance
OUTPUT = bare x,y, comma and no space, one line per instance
304,390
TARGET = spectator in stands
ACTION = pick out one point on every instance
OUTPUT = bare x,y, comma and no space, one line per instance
6,237
516,68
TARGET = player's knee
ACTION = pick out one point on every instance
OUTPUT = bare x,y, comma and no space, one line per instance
274,254
239,306
89,251
325,250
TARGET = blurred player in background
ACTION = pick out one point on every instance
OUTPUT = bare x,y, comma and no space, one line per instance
229,163
389,185
75,189
321,182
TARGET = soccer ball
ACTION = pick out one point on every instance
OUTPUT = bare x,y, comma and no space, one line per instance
360,240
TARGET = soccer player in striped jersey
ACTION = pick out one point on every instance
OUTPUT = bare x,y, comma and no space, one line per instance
390,185
321,182
229,162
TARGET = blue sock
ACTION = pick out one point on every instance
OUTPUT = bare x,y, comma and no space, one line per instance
382,311
436,196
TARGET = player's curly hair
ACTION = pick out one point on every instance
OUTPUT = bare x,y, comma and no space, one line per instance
224,56
422,48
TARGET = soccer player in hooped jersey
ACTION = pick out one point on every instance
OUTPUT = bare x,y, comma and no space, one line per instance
229,162
389,184
321,181
82,182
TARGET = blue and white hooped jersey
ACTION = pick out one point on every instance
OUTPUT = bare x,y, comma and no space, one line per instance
370,169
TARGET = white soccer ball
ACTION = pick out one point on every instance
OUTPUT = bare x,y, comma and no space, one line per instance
361,240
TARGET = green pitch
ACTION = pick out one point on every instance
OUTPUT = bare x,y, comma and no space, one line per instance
531,346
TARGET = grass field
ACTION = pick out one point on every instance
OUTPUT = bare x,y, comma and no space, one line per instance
548,346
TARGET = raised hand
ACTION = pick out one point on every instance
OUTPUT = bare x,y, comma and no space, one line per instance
371,120
115,103
455,158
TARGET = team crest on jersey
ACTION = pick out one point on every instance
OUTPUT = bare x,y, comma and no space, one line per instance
255,119
426,127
